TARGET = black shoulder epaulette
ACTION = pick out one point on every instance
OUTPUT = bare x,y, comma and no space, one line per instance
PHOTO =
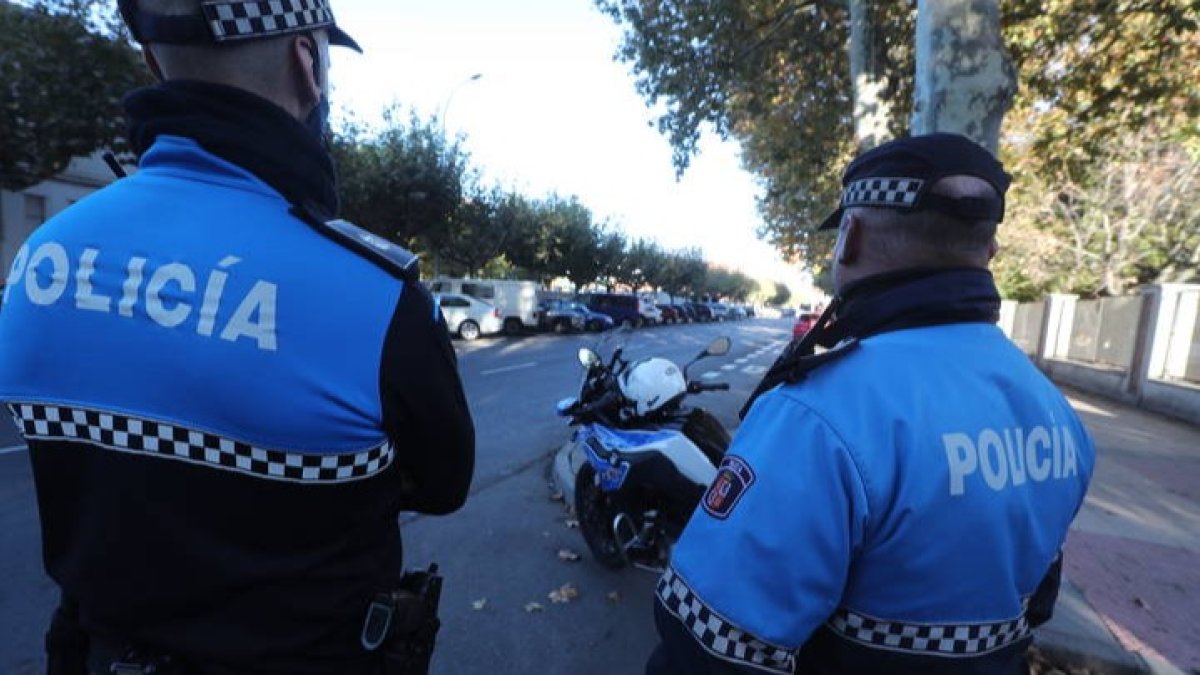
397,260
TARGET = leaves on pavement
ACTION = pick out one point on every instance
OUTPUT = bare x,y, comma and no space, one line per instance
614,596
533,607
479,604
567,555
564,594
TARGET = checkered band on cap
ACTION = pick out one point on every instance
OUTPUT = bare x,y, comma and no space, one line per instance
970,639
889,192
240,19
719,637
170,441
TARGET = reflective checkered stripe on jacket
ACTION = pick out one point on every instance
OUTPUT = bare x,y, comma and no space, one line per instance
715,633
164,440
967,639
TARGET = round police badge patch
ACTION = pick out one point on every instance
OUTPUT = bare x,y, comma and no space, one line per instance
734,477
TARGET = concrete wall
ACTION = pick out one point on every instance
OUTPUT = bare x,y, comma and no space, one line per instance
1160,375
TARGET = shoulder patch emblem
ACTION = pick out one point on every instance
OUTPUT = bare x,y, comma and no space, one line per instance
733,479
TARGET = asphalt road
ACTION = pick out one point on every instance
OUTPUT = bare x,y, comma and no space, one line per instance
500,554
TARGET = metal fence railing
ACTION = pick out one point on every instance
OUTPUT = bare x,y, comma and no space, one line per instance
1105,331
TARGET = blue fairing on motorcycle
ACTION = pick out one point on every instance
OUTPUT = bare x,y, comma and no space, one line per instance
620,439
564,406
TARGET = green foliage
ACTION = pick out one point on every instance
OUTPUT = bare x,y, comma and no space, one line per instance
403,182
775,76
781,296
64,74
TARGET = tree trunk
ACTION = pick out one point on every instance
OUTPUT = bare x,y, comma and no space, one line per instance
872,111
965,81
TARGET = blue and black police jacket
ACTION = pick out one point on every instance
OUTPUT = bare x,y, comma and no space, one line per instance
226,408
895,512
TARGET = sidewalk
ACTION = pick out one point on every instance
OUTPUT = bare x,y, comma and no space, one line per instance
1132,559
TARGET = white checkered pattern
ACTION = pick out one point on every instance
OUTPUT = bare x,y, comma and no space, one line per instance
237,19
970,639
717,635
160,439
890,192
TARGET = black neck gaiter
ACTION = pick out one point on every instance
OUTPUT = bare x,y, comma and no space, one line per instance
884,303
243,129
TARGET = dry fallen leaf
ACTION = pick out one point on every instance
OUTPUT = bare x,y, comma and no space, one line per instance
614,596
572,523
479,604
533,607
568,555
564,594
557,497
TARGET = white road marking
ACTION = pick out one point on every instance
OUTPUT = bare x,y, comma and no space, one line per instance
728,367
9,451
754,370
507,369
742,360
711,375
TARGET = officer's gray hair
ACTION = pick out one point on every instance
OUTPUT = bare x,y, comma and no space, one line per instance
931,237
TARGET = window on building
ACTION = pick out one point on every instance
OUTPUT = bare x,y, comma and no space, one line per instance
35,210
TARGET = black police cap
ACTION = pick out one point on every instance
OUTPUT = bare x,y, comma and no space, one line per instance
901,173
223,21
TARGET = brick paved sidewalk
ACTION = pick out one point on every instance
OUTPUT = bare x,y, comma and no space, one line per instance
1134,550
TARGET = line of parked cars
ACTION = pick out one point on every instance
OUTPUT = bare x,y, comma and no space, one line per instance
475,307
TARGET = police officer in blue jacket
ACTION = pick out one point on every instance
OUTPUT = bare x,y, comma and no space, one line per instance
897,503
228,397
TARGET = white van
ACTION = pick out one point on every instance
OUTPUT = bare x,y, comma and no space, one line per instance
516,299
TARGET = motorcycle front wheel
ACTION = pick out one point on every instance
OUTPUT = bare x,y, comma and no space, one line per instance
596,511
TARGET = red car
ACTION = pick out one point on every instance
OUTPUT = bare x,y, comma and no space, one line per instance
804,323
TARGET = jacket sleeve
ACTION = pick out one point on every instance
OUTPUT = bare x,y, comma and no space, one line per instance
425,412
679,652
763,562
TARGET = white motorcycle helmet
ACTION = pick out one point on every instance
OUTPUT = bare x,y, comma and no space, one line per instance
650,383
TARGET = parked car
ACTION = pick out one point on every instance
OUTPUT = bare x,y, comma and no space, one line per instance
720,311
468,317
686,311
516,299
622,308
804,323
669,314
737,312
558,316
787,312
649,313
593,321
703,311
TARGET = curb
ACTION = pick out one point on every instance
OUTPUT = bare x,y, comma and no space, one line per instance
1099,658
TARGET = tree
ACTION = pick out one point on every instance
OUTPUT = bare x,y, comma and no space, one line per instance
610,256
63,84
781,296
403,182
964,79
774,75
1126,219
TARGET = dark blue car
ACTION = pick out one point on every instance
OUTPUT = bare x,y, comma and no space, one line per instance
593,320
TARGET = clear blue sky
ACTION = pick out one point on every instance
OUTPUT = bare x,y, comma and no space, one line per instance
552,112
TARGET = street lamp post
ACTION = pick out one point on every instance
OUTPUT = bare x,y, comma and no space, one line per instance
450,97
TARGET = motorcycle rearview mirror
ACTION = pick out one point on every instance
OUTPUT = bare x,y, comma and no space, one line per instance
719,347
588,358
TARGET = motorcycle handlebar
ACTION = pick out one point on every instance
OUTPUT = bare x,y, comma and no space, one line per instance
699,387
602,402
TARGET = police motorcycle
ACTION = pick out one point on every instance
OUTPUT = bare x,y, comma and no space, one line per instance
649,457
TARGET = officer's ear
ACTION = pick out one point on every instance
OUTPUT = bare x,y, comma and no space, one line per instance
305,55
849,242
